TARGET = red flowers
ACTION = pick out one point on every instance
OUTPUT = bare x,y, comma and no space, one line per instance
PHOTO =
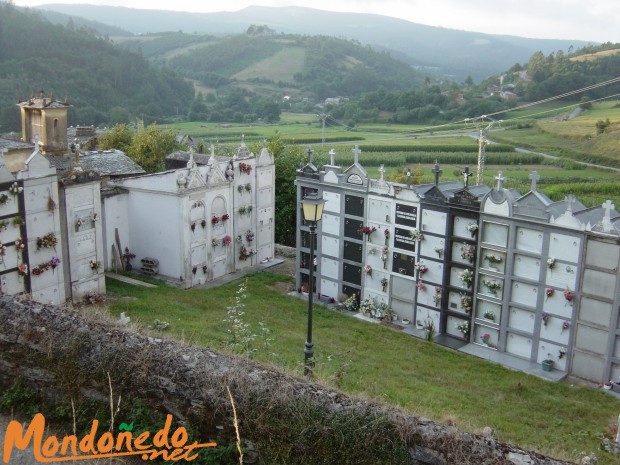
366,230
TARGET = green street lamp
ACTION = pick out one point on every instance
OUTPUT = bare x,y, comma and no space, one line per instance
312,206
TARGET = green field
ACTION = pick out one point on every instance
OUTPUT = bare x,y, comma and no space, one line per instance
558,419
575,138
399,147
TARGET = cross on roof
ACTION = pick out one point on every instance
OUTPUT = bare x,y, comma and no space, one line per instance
191,163
381,171
570,200
356,152
534,176
332,154
309,151
608,206
466,174
500,179
437,172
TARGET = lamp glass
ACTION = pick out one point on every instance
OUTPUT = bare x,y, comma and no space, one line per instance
313,208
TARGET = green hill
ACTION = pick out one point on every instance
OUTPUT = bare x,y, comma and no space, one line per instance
312,66
452,53
104,83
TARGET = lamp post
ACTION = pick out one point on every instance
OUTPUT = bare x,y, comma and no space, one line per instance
313,211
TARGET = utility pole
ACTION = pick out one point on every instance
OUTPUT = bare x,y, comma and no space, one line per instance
482,142
323,117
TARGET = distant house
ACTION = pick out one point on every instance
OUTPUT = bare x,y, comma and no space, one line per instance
333,101
505,94
85,136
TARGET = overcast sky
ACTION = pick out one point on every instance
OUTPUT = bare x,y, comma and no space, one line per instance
593,20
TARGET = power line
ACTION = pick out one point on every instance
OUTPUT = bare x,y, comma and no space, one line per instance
520,107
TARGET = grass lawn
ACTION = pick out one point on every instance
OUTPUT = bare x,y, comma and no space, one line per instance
373,360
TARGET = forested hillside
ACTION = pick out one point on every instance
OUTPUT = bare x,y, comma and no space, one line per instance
451,53
559,73
317,66
103,83
541,77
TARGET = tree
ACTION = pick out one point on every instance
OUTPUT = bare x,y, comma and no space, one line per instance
119,115
602,125
119,137
150,147
287,160
271,111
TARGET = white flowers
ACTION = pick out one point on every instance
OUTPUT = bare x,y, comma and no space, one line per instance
416,235
15,189
463,327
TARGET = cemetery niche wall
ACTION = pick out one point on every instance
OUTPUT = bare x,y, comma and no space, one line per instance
200,222
493,271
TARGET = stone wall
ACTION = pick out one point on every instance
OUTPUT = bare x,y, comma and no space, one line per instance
285,251
69,354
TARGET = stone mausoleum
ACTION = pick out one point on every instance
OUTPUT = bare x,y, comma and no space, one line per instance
495,273
200,222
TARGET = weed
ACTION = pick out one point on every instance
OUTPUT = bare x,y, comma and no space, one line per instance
241,336
22,398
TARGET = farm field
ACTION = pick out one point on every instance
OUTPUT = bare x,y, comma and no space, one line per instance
575,138
401,147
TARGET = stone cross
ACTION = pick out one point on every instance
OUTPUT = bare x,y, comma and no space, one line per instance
466,174
212,157
332,154
534,176
570,200
309,151
356,153
437,172
500,179
381,171
77,152
191,163
608,206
